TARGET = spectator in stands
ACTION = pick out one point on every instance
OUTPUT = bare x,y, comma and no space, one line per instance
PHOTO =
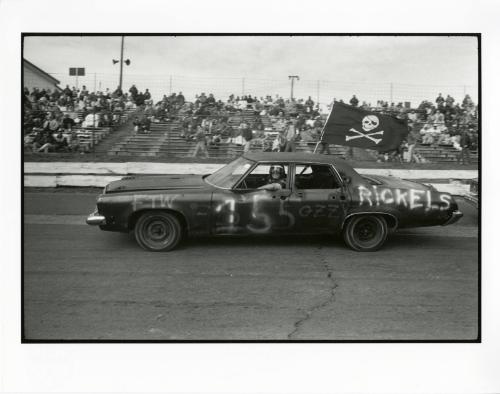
137,124
118,92
67,91
440,100
68,123
46,142
145,125
279,143
290,137
60,143
180,99
354,101
201,143
246,133
309,104
139,99
147,95
465,145
449,101
92,119
412,140
133,92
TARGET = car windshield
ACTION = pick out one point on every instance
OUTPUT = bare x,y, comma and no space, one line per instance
228,175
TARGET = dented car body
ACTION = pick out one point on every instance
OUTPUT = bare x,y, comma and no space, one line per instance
316,194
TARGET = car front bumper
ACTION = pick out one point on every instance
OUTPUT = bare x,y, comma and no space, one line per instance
94,219
455,216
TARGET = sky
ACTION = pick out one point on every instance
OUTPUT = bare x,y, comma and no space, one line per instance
385,67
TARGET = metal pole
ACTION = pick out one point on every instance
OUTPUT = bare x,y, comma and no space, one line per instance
95,80
121,64
323,131
317,92
76,80
292,78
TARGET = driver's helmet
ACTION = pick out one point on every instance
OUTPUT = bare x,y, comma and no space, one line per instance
277,172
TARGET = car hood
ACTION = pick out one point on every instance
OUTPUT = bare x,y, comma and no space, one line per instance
156,182
394,182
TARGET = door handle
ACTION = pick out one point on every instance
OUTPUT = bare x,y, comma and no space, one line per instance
300,194
283,197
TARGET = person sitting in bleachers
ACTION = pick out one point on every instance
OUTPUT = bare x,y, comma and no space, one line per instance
92,119
68,123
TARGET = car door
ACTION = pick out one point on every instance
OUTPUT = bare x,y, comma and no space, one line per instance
318,199
248,208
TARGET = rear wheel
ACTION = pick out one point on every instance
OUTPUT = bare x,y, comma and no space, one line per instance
365,233
158,231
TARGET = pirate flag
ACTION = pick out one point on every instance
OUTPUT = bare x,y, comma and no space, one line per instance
351,126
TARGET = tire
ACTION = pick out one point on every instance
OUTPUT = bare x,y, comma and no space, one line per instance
365,233
158,231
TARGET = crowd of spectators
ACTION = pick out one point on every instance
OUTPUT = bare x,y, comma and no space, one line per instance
266,123
278,124
53,117
238,120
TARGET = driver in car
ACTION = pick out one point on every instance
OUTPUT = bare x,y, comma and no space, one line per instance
277,178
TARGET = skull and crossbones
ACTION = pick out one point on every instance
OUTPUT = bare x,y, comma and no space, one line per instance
369,123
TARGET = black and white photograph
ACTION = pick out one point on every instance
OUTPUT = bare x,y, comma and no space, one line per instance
249,197
251,187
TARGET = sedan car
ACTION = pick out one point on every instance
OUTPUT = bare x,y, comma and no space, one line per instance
270,193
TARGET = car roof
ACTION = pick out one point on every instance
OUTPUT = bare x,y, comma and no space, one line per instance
300,158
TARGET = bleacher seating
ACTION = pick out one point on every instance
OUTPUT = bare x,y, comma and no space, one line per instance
165,139
89,137
441,154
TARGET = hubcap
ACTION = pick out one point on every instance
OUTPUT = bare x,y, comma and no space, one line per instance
367,232
157,231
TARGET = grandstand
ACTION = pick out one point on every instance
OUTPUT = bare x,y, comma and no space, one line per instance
166,129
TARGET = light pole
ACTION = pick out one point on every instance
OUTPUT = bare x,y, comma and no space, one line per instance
121,61
292,78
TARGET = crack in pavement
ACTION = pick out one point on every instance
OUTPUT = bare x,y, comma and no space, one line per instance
331,296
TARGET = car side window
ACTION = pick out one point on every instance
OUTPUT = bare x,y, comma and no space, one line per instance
315,176
265,174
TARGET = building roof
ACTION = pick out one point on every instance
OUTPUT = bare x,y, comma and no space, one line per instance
39,70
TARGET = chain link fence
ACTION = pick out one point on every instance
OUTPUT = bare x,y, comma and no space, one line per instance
321,91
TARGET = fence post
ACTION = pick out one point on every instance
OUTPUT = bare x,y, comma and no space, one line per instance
317,92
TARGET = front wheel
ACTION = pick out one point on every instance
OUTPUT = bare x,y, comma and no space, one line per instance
365,233
158,231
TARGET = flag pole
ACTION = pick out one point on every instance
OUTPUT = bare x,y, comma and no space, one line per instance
323,131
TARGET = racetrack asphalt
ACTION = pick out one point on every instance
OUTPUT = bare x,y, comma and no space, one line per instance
81,283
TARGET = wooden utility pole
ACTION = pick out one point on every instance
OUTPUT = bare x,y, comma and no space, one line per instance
121,63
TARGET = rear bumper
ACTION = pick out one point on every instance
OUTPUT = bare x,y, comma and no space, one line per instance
455,216
94,219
